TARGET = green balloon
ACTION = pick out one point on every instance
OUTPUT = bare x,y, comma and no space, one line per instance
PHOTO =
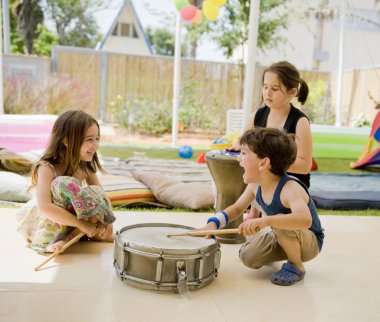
182,3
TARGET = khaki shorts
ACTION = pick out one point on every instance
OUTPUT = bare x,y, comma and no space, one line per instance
264,249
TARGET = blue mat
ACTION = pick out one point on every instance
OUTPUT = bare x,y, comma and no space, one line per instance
345,191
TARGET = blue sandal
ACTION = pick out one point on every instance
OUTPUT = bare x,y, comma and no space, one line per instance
287,275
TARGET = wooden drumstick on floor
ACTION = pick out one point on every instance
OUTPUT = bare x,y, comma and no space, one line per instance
60,251
209,232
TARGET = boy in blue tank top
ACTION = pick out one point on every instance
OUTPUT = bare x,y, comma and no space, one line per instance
296,233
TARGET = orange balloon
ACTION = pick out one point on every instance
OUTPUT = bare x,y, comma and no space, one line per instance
198,17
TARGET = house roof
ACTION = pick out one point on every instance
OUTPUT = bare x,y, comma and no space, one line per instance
116,19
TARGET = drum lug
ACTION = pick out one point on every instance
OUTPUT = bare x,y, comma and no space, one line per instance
159,270
181,277
217,260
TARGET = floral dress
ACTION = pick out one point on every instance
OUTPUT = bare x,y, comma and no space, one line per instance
68,193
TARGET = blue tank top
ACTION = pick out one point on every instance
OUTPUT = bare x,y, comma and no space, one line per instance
276,207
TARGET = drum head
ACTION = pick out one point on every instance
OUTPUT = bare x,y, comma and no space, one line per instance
155,236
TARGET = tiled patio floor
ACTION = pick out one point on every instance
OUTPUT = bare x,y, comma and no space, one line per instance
341,284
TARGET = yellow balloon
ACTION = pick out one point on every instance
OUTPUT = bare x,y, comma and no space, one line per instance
210,11
218,3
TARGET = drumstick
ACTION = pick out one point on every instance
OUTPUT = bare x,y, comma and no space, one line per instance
59,251
210,232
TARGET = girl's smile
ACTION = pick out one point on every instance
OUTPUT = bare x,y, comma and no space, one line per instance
90,144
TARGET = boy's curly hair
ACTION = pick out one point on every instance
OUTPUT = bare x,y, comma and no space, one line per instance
275,144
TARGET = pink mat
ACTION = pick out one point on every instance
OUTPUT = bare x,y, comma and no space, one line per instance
21,133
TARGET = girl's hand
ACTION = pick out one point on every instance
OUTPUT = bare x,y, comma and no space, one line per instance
250,227
87,228
104,232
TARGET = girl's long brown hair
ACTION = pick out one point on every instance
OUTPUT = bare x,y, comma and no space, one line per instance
66,139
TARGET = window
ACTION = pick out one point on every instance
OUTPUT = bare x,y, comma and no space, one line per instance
123,29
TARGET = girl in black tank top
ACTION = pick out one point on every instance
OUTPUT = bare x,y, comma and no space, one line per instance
281,83
290,125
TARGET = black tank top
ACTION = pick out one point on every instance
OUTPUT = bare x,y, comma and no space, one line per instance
261,118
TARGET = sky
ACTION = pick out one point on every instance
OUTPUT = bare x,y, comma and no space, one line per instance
206,50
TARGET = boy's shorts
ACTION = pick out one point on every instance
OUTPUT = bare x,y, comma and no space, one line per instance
263,248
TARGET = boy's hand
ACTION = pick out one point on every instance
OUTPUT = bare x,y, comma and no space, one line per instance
250,227
210,226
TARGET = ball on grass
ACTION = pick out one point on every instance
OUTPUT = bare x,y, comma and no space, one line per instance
185,151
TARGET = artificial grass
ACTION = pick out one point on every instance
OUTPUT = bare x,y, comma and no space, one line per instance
338,146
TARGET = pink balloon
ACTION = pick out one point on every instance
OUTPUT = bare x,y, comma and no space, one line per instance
188,12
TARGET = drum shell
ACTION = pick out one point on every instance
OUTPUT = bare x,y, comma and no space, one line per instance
228,178
157,268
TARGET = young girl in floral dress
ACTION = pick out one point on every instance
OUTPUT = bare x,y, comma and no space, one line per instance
68,196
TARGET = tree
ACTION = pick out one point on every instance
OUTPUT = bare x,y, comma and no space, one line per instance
29,15
163,41
74,22
230,31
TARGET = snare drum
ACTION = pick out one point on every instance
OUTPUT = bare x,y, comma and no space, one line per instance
146,257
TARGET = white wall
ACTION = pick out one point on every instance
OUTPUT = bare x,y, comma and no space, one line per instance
362,40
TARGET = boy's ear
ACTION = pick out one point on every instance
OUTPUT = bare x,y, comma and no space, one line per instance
265,162
65,142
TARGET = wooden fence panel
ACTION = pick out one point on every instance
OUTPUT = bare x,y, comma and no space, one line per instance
84,67
218,85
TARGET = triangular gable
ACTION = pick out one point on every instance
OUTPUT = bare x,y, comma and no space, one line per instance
127,4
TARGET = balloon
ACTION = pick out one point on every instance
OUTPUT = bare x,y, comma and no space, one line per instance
218,3
185,151
210,11
188,12
198,17
182,3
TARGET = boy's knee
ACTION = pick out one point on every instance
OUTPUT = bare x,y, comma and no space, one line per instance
285,234
249,256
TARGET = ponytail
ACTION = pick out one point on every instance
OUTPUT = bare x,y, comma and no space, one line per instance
303,92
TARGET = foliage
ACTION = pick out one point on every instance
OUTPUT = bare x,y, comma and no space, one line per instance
74,23
317,104
149,117
192,113
142,114
73,20
230,31
29,15
163,42
45,40
56,95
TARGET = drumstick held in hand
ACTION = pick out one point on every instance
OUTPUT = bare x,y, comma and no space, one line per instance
209,232
59,251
